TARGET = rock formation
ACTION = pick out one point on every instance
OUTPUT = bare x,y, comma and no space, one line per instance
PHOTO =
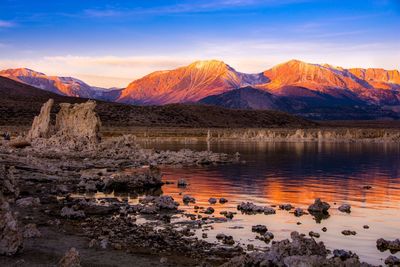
41,123
78,121
77,127
8,182
11,239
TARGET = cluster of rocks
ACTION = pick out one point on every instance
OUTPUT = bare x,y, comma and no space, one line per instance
301,251
251,208
383,244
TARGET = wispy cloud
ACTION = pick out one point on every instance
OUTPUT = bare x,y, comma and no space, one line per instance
6,24
192,7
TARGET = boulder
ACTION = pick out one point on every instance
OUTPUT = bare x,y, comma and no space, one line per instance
11,239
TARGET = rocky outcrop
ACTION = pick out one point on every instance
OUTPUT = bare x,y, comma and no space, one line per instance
78,122
41,123
11,239
70,259
77,127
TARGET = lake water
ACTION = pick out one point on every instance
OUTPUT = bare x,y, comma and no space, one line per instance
297,173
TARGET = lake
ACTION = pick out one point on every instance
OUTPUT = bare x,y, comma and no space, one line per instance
297,173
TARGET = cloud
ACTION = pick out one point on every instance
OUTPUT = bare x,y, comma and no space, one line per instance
195,6
6,24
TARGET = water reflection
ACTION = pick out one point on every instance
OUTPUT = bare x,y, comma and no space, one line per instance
297,173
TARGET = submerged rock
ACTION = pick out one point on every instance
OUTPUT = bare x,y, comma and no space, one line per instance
70,259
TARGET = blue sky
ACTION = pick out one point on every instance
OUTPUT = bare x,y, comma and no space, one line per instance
109,43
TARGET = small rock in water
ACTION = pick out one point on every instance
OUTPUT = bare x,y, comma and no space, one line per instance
267,237
212,200
182,183
348,232
319,206
285,206
223,200
314,234
366,227
261,229
228,240
163,260
250,247
342,254
324,229
70,259
204,235
367,187
392,261
345,208
188,199
209,210
298,212
383,245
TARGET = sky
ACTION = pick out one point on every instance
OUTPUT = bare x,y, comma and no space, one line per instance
111,43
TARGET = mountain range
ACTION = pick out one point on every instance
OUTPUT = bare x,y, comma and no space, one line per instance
311,90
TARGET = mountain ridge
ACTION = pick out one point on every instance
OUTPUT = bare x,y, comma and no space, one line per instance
303,86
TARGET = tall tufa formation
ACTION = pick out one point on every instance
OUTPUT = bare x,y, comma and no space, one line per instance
77,127
78,122
41,123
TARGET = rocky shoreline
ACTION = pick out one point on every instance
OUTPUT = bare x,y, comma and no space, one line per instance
45,173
